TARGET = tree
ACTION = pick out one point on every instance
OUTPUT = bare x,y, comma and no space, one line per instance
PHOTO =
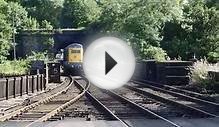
197,33
16,15
156,53
46,25
13,17
79,13
32,23
18,1
140,21
49,10
5,32
212,3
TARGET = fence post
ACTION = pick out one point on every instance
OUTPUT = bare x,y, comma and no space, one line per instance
6,90
44,82
41,81
47,76
21,85
27,84
37,85
14,89
32,83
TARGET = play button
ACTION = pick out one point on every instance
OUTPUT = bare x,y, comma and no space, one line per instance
108,62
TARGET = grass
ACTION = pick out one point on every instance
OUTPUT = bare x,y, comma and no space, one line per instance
14,68
19,67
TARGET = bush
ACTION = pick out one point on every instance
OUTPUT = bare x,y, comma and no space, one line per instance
199,72
200,76
156,53
213,57
14,68
37,56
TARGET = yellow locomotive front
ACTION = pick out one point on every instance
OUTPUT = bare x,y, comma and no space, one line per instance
73,58
75,55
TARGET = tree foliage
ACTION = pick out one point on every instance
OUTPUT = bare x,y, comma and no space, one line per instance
5,32
152,52
13,17
41,10
141,21
79,13
16,15
32,23
14,68
196,34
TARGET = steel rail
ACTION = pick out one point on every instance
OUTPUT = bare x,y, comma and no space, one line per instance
165,86
139,107
186,97
183,91
146,111
63,106
170,101
31,106
40,95
107,110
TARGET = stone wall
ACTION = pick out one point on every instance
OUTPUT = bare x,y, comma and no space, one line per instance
34,40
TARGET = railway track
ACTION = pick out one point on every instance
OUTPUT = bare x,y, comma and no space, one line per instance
35,98
178,90
119,108
36,101
48,107
196,106
83,108
163,109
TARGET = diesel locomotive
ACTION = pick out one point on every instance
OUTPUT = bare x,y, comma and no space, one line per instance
73,58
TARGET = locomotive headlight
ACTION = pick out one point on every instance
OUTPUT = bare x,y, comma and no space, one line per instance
79,66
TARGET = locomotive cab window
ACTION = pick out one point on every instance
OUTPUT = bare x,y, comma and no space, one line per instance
75,51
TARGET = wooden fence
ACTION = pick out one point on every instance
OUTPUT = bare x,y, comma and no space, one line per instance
17,86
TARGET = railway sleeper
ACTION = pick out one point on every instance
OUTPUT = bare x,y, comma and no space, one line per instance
186,97
184,107
31,115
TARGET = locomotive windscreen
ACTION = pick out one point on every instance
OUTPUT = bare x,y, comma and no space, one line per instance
75,51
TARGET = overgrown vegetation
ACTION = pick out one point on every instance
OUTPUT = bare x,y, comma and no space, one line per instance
13,18
201,78
196,33
37,56
13,68
20,67
154,53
